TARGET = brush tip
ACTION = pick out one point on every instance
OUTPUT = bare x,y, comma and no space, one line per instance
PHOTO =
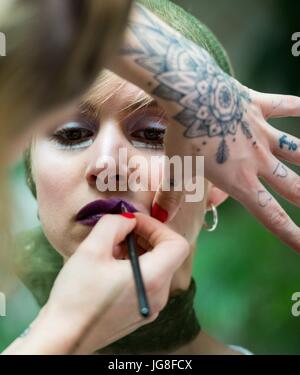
123,208
145,311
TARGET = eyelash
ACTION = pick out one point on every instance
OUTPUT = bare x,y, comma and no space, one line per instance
157,130
62,137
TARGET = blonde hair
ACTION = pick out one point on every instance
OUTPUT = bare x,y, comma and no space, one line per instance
107,85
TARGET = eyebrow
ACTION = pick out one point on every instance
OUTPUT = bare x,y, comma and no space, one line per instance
90,109
143,103
86,108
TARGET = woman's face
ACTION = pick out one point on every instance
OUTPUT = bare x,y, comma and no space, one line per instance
67,161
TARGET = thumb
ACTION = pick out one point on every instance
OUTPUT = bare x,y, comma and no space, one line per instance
110,231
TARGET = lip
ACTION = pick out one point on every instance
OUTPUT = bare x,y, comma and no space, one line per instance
92,212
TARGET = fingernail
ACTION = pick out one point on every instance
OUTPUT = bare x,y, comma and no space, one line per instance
129,215
159,213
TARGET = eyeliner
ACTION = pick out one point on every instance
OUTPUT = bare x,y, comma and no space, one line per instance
139,283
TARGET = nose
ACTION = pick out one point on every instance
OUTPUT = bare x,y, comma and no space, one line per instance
108,157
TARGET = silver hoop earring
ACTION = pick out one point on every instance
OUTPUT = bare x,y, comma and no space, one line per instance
215,219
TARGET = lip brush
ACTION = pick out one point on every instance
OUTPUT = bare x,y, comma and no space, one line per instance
140,288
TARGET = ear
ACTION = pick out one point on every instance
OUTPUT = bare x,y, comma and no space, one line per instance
215,196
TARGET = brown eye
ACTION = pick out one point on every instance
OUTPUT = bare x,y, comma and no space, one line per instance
73,135
153,134
147,129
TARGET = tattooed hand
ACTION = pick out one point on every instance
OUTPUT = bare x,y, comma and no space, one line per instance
214,115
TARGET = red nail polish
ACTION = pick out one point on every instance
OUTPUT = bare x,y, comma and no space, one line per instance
159,213
129,215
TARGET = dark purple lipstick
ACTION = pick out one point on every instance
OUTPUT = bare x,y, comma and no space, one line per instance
92,212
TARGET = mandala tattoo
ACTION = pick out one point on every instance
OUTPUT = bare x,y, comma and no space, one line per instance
212,104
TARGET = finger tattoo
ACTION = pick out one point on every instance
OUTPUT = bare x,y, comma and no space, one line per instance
283,141
280,171
263,198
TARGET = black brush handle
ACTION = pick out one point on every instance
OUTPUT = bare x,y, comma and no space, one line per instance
142,296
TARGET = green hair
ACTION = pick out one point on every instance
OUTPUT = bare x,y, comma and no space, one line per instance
191,28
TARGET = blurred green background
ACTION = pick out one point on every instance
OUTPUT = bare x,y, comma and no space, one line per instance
245,276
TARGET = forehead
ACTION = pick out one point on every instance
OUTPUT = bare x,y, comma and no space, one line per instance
109,94
110,90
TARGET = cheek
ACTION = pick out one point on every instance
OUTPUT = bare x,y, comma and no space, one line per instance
56,179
